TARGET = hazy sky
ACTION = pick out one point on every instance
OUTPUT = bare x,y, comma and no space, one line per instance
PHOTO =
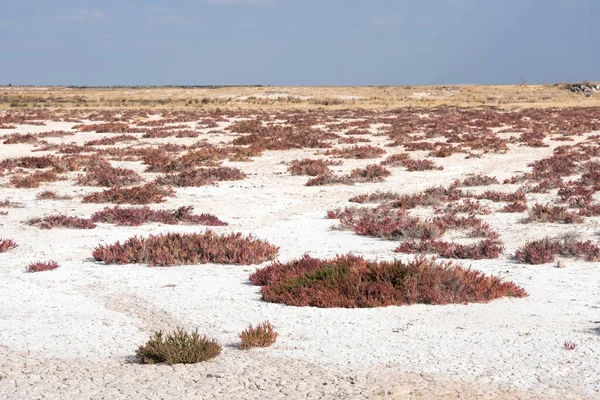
297,42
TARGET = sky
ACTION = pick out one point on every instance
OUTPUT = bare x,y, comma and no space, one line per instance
298,42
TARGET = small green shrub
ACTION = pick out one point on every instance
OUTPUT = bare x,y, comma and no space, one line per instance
178,347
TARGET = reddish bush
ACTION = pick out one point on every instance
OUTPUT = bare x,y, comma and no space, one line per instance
149,193
568,345
62,221
309,167
548,213
359,152
181,249
202,176
350,281
103,174
479,180
396,160
485,249
421,165
50,195
6,245
41,266
495,196
134,216
34,180
544,250
330,179
514,207
110,140
263,335
371,173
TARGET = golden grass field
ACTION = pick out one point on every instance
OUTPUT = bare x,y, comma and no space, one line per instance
258,97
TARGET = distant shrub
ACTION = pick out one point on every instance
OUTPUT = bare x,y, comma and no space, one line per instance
350,281
135,216
421,165
62,221
495,196
484,249
6,245
309,167
178,347
371,173
50,195
478,180
544,250
548,213
103,174
330,179
514,207
202,176
359,152
41,266
263,335
146,194
192,248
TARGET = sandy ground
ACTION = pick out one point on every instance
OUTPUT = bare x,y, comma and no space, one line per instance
71,333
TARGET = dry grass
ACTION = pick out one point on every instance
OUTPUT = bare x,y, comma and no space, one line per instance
505,96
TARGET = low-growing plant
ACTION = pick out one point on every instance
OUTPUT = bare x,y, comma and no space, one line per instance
202,176
263,335
62,221
478,180
514,207
51,195
485,249
350,281
135,216
41,266
545,250
421,165
191,248
103,174
6,245
309,167
146,194
548,213
177,347
358,152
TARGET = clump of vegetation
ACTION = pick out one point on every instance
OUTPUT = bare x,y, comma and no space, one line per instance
421,165
350,281
6,245
514,207
263,335
371,173
202,176
50,195
178,347
146,194
309,167
545,250
41,266
478,180
191,248
62,221
548,213
358,152
135,216
484,249
103,174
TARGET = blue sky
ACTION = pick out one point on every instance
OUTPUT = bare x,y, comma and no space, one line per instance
298,42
